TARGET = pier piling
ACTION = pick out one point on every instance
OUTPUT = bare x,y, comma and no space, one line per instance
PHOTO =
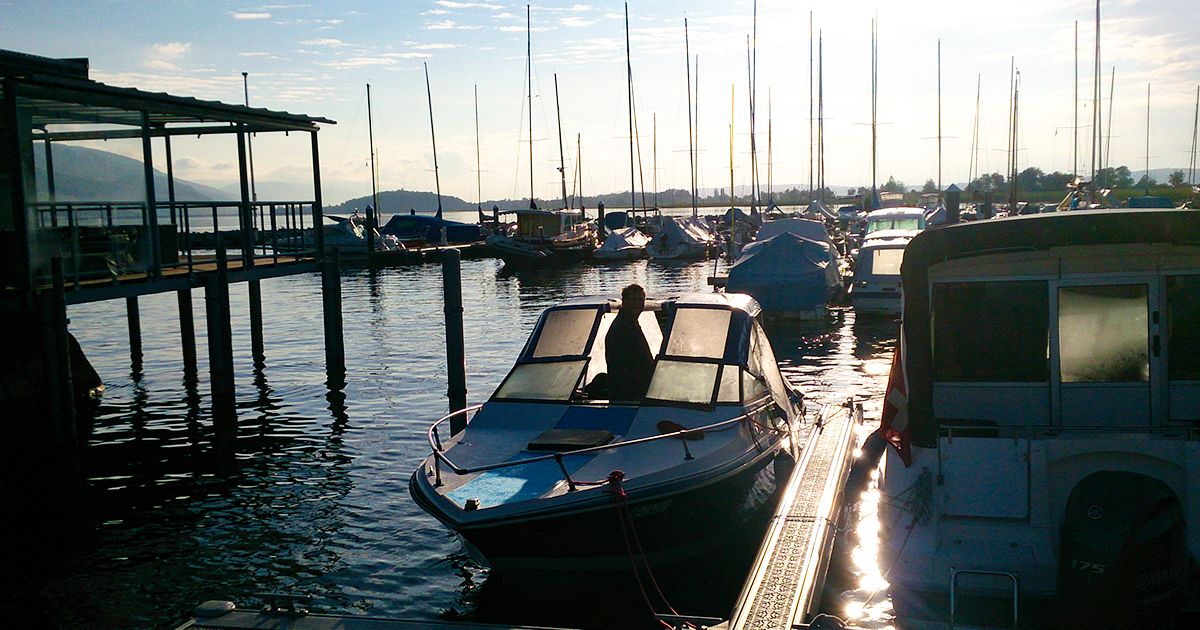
456,361
133,316
220,345
256,322
56,352
187,334
331,293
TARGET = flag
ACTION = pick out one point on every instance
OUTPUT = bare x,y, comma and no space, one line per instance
893,420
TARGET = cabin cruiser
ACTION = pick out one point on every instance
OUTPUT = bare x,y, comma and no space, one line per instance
550,474
681,239
1044,405
622,243
875,289
542,236
791,268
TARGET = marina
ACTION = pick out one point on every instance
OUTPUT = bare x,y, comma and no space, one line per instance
967,404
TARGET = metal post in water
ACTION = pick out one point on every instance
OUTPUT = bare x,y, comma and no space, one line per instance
331,297
187,333
57,356
256,321
220,346
456,360
135,336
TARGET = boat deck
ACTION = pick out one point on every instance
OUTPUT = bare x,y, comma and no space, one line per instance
784,587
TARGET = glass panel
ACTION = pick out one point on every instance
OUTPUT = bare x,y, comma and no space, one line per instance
1102,334
770,367
699,332
753,386
886,262
565,332
542,381
991,332
598,363
683,382
895,223
1183,328
728,392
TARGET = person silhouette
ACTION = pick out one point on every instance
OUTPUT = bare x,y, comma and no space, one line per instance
630,362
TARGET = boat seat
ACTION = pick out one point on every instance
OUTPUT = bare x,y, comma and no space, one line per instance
569,439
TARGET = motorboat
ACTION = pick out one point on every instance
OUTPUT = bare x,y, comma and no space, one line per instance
623,243
543,236
415,230
347,236
551,475
681,239
791,269
875,288
1043,410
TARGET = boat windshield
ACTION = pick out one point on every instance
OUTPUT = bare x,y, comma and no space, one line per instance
886,261
895,223
694,368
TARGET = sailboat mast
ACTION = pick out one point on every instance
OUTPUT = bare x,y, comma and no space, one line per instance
1075,111
654,151
529,81
374,188
1146,177
478,168
770,154
821,115
1012,200
874,87
1195,127
696,133
1012,70
753,151
939,116
629,86
1112,83
579,165
732,107
1096,97
687,60
810,105
433,135
754,100
562,164
975,133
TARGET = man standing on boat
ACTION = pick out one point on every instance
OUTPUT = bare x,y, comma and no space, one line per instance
630,362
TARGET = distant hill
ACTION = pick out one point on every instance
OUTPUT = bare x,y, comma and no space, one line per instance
83,174
400,202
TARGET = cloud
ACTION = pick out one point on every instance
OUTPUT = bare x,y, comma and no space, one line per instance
435,12
358,62
432,46
262,15
449,4
576,22
324,41
443,25
575,8
164,56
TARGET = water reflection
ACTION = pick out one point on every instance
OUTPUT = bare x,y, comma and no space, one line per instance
307,493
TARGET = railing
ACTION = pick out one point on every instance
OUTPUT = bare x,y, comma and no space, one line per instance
435,444
108,240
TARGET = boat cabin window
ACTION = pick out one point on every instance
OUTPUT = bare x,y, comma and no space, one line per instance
597,363
886,261
729,390
895,223
542,381
763,365
991,331
683,381
1183,328
1102,334
565,332
699,332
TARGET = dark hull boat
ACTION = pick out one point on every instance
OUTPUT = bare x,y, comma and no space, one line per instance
551,475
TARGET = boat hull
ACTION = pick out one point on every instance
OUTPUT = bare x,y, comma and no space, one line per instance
674,522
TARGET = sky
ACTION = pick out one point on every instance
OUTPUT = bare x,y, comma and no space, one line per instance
316,58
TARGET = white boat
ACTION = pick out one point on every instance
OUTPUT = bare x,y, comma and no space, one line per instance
541,236
875,288
549,472
624,243
1044,407
681,239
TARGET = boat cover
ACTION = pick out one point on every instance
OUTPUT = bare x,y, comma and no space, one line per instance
616,219
804,228
680,236
786,273
411,227
620,240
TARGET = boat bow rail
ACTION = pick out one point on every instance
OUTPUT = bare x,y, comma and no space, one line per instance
440,457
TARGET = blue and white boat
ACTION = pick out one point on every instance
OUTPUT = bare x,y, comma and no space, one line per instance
876,286
791,269
550,474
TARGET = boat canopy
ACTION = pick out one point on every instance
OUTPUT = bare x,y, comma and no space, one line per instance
804,228
1026,235
420,227
709,349
786,272
896,219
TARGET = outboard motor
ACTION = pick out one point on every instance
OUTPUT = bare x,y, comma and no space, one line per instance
1124,558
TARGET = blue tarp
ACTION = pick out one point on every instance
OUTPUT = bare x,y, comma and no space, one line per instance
805,228
786,273
413,227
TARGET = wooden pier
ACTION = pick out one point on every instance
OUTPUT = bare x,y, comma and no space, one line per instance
57,251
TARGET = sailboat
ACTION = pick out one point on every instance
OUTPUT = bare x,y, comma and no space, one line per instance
542,236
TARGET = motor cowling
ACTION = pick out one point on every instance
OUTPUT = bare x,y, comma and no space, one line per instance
1124,557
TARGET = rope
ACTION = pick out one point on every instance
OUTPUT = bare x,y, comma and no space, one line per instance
614,480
